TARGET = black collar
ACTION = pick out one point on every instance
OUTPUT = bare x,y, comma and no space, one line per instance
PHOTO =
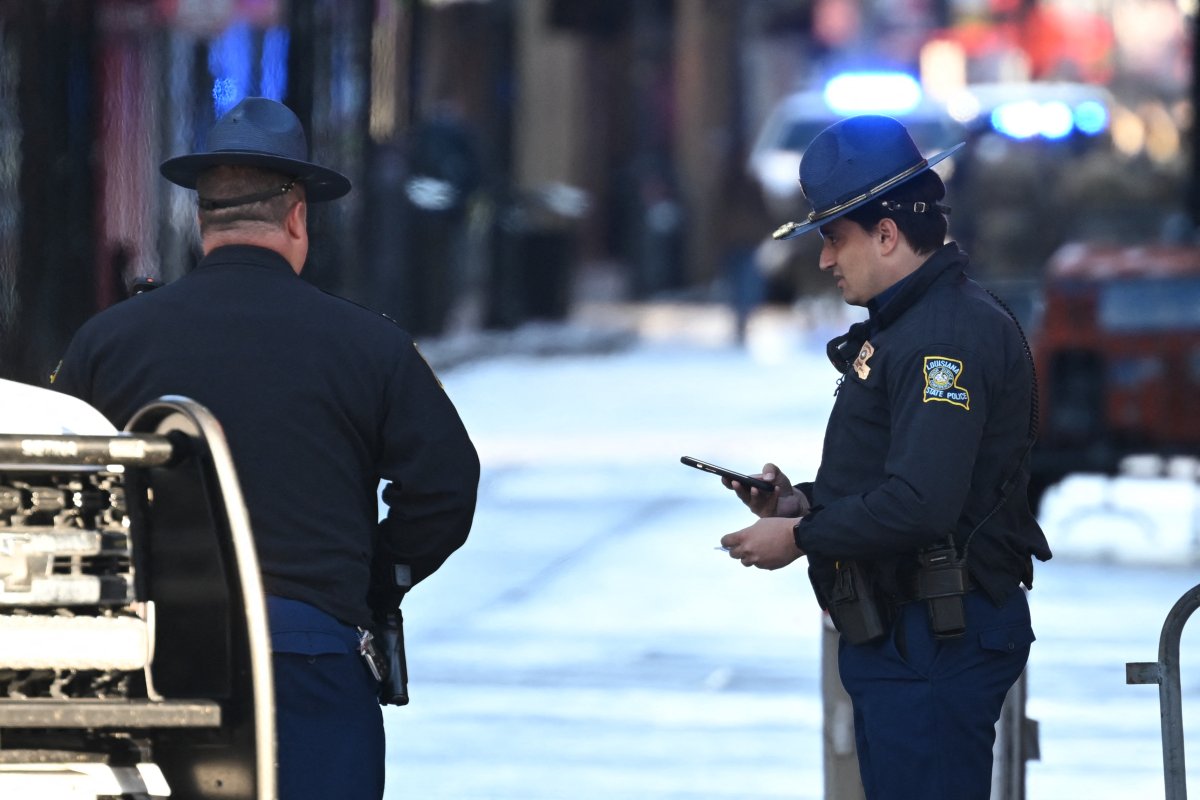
844,349
245,255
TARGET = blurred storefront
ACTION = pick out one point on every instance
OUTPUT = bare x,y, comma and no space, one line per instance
482,135
94,95
453,118
46,180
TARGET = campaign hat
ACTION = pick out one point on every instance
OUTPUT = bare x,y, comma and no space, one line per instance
852,162
259,132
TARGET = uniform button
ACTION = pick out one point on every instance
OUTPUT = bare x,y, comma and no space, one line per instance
1012,646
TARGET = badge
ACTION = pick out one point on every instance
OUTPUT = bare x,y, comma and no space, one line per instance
860,364
54,374
941,382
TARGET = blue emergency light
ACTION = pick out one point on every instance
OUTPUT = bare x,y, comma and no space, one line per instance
872,93
1051,119
1091,117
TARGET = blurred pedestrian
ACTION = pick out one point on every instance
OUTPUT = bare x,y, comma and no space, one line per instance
917,528
320,400
445,176
741,234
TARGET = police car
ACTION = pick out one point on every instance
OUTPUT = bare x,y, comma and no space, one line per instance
1048,111
798,118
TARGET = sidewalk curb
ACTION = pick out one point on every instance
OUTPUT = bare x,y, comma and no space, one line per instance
537,339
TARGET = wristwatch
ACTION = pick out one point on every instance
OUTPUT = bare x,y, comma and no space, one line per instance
796,528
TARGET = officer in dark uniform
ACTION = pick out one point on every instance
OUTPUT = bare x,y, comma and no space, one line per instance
918,529
320,400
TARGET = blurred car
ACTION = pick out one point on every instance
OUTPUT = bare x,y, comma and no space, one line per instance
1117,351
796,120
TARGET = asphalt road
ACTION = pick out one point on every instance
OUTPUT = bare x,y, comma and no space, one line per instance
589,642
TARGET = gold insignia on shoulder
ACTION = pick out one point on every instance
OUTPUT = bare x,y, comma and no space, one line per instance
860,364
54,374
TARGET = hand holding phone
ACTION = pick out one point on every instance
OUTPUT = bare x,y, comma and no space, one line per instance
744,480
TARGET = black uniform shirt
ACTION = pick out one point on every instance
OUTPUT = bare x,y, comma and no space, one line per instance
932,417
319,399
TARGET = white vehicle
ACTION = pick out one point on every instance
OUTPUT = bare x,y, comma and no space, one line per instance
798,118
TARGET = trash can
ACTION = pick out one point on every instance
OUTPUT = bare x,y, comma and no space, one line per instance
534,247
651,224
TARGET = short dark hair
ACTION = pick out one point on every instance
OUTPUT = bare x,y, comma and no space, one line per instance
229,181
924,230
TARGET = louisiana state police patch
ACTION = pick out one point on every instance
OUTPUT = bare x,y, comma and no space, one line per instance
941,382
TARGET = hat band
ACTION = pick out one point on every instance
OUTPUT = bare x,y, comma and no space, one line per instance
889,183
246,199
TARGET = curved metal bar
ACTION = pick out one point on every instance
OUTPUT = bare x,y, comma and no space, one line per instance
248,574
1170,698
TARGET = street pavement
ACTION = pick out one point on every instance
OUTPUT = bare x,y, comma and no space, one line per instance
589,642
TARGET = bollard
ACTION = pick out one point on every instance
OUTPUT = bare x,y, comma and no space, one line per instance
1165,672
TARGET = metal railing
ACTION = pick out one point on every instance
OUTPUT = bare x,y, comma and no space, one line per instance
1165,672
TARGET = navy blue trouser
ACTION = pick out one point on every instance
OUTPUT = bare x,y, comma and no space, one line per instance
329,728
925,709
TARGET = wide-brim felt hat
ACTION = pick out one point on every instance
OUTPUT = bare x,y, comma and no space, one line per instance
259,132
852,162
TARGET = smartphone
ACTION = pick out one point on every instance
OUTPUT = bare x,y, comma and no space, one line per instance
744,480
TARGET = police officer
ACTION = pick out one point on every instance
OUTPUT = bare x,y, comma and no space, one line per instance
917,528
320,400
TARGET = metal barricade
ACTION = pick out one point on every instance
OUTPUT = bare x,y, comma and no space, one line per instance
1165,672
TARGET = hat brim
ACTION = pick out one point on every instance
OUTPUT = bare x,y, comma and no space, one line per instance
792,229
320,183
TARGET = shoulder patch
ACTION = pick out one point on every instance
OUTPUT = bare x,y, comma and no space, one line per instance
941,382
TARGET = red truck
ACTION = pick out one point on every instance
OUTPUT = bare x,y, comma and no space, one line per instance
1117,351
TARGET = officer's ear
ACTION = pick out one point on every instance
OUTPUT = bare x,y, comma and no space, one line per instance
887,235
295,228
296,222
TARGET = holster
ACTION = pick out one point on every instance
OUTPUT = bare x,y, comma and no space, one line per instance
853,604
389,632
389,583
